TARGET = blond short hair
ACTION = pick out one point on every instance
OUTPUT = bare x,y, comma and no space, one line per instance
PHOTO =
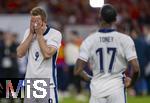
39,11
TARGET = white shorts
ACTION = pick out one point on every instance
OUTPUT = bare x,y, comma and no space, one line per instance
52,97
117,97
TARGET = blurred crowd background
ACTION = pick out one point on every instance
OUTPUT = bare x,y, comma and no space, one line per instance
133,19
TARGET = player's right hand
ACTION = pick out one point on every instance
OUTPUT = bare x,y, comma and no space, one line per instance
32,22
127,82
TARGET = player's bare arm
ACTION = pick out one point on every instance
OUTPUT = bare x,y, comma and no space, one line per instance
136,72
47,51
23,47
80,64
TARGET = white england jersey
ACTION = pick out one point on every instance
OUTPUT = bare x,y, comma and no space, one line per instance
37,66
108,52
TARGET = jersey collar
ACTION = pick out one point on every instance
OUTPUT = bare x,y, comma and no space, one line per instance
47,30
106,30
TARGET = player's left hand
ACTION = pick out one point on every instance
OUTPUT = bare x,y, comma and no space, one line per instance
127,82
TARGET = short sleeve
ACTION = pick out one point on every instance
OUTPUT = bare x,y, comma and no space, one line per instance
84,52
129,49
55,39
25,35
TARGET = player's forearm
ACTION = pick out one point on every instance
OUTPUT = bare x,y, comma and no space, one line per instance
79,67
134,78
85,76
43,46
136,71
78,70
23,48
135,75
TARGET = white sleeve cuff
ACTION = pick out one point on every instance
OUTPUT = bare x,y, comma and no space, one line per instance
131,58
83,59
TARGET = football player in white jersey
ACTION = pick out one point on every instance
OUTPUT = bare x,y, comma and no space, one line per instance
41,44
109,53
